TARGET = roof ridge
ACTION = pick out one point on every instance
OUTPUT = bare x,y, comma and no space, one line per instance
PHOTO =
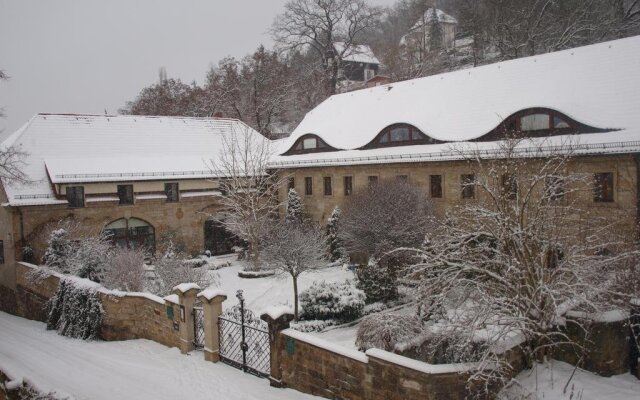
177,117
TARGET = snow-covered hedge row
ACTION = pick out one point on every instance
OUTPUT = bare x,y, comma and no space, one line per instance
75,310
340,301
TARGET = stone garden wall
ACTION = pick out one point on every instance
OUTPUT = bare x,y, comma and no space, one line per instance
127,315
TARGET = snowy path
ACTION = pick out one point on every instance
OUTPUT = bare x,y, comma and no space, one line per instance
135,369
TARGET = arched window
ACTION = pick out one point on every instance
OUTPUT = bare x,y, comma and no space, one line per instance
309,144
132,233
400,135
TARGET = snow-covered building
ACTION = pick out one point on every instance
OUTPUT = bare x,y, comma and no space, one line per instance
587,97
358,65
141,178
433,22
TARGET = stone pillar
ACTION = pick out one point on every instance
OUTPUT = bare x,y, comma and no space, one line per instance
276,342
187,297
212,308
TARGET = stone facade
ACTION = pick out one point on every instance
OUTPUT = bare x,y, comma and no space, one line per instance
183,220
319,206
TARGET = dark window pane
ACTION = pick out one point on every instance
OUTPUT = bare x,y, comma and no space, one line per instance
292,183
327,186
1,252
384,138
559,123
308,186
436,186
172,191
468,186
75,196
348,185
415,135
125,194
603,187
399,134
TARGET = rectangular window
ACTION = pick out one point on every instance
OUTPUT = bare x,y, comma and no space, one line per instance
603,187
75,196
554,188
172,191
509,186
468,182
436,186
327,186
372,180
308,186
534,122
1,252
348,185
292,183
125,194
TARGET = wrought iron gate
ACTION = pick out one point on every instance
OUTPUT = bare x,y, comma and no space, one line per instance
244,340
198,326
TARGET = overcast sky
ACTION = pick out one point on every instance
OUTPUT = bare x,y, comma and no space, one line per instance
85,56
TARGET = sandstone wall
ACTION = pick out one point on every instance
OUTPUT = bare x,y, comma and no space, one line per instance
127,315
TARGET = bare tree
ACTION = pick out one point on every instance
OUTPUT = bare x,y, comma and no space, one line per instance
318,24
295,248
389,214
249,190
12,157
521,251
125,270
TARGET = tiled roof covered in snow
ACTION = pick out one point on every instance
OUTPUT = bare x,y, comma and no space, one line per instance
98,148
597,85
357,53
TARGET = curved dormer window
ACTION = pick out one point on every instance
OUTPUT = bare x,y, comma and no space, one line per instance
537,122
309,144
400,135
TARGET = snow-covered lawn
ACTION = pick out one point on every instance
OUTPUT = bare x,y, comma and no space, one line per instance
134,369
261,293
547,382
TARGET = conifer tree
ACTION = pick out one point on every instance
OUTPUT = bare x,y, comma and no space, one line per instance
295,208
57,249
337,250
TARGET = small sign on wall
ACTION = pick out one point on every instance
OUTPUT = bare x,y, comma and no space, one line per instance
170,311
290,346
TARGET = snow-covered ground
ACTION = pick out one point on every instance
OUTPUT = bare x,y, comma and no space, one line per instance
261,293
548,381
134,369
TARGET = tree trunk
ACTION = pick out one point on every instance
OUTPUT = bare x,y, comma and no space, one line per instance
295,297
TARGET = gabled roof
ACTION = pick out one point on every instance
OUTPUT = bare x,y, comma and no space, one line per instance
443,18
96,148
356,53
598,85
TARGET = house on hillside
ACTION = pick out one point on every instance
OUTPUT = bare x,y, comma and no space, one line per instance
140,178
358,65
410,130
434,28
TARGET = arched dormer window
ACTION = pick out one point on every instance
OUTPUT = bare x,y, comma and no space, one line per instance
309,144
400,135
537,122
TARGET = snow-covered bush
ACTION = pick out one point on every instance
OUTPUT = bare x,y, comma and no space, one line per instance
324,301
58,247
314,325
378,281
384,331
195,263
126,271
337,251
75,310
171,270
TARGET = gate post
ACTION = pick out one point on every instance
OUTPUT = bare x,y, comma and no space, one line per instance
276,325
212,308
187,297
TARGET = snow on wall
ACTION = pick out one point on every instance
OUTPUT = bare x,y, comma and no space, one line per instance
275,312
419,365
323,344
212,292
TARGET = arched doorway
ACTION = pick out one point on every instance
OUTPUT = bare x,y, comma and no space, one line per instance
132,233
217,239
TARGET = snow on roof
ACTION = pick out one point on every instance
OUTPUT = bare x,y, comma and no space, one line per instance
443,18
356,53
65,148
597,85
